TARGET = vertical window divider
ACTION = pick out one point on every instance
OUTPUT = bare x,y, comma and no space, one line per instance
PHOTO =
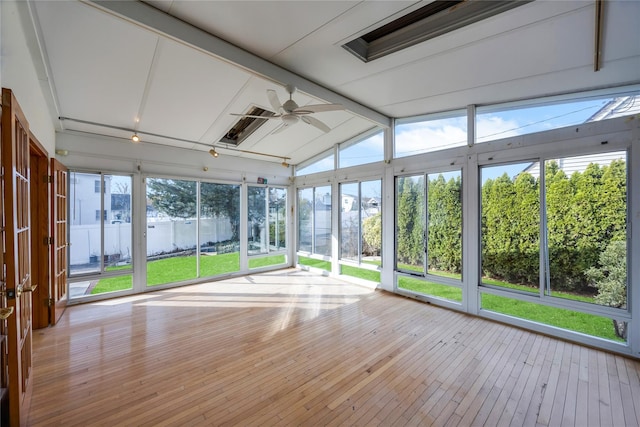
544,279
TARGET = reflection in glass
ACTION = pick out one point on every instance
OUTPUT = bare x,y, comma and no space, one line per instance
350,221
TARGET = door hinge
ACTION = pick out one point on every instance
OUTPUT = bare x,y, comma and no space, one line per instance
48,241
48,302
47,179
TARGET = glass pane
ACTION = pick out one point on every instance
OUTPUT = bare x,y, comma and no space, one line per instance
350,221
451,293
110,284
368,150
219,229
322,221
277,219
511,226
360,273
85,237
410,223
430,134
590,324
257,220
267,261
171,231
444,224
371,218
497,122
586,201
117,228
305,220
325,164
315,263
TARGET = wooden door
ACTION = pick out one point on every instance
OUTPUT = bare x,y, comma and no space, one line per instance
17,261
59,252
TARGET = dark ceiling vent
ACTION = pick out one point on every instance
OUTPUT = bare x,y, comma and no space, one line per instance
244,127
437,18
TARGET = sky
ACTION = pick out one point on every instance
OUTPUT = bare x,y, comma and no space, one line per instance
425,136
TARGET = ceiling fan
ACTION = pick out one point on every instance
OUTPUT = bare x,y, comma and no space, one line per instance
289,112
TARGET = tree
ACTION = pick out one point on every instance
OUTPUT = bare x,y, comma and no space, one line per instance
175,198
372,234
610,278
410,220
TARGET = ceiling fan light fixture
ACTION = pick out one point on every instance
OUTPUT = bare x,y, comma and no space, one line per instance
284,163
135,138
213,152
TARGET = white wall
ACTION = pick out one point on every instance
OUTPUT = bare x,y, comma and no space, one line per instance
23,73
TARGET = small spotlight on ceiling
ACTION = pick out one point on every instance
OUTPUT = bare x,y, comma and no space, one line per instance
135,138
284,163
213,152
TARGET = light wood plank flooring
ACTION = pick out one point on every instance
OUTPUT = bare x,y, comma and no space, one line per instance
292,348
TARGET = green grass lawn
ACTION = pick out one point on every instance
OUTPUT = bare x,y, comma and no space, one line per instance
267,261
315,263
562,318
174,269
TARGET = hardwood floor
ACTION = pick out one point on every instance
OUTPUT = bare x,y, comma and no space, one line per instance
292,348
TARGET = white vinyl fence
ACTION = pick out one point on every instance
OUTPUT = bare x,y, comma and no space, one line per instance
162,236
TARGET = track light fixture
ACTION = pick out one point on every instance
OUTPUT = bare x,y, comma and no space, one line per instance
213,152
135,138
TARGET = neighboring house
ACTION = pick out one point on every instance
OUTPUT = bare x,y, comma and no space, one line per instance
84,196
617,107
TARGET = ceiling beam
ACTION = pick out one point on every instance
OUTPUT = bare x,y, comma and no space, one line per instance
166,25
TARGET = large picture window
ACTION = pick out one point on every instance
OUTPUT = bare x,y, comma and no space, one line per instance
583,241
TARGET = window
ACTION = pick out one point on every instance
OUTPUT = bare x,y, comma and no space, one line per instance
219,229
361,228
325,162
430,133
583,242
314,226
266,225
429,234
100,233
369,149
506,120
171,231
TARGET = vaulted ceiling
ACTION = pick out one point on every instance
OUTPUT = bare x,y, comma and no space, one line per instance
174,71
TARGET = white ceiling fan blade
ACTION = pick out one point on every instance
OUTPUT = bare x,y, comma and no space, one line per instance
255,117
318,108
274,101
316,123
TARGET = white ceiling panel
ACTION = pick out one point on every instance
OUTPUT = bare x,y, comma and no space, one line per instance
187,91
99,64
262,27
112,61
